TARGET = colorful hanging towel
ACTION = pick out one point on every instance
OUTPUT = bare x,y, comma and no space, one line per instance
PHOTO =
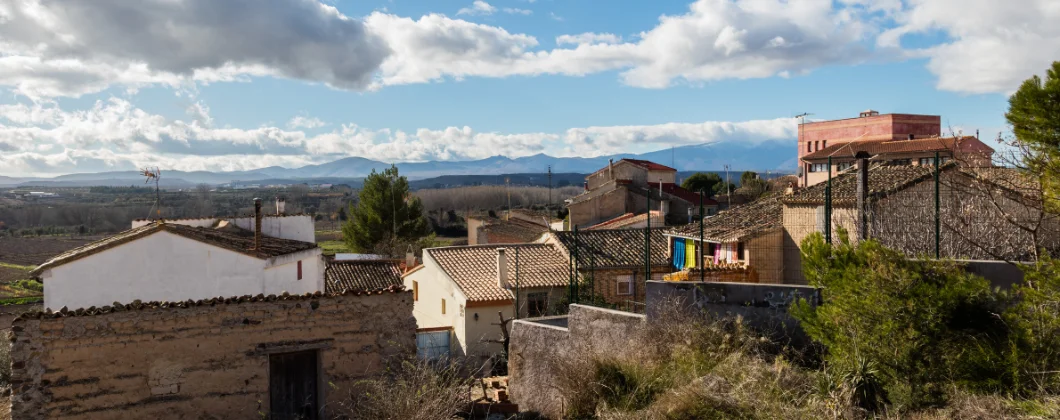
679,254
690,255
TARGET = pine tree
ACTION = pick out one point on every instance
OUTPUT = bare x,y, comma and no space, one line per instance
1034,113
386,217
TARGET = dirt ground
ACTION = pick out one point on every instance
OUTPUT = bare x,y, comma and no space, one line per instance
34,251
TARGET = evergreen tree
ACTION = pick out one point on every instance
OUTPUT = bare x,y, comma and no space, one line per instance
1034,113
386,217
703,181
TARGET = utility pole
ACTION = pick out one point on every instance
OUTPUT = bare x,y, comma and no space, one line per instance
828,205
509,193
728,191
550,197
938,219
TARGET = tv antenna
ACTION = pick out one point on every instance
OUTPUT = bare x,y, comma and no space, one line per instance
154,175
802,117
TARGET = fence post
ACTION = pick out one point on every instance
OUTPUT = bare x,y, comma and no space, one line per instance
702,253
938,219
647,242
577,281
828,205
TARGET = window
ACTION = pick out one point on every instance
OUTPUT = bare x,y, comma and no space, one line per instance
819,167
443,306
843,166
537,304
902,162
415,291
741,251
808,147
824,144
816,146
711,249
299,270
625,285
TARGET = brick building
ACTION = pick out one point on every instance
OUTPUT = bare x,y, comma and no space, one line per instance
897,138
511,230
626,186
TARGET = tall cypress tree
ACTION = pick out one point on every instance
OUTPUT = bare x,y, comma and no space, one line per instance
386,217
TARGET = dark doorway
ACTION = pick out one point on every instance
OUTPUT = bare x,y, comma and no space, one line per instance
293,386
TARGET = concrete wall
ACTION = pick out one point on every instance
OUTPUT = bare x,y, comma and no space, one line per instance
207,360
168,267
620,170
538,350
762,306
602,207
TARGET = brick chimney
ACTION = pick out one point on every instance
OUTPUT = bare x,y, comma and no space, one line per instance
281,204
257,223
862,194
502,269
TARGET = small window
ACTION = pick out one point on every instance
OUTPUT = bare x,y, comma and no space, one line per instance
741,251
625,285
815,146
443,306
902,162
843,166
415,291
824,144
819,167
808,147
299,270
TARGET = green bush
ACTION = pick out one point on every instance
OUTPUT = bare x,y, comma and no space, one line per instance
916,326
1035,321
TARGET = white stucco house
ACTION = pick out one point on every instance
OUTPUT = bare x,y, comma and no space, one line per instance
458,291
185,259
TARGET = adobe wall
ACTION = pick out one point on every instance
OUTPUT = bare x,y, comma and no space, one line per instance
599,208
206,359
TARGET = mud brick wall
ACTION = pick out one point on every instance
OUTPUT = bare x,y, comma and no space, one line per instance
203,360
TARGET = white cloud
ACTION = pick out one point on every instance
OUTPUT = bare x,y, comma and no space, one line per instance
478,7
588,38
43,139
993,45
518,11
305,122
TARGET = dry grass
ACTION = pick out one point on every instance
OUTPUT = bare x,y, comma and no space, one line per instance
412,390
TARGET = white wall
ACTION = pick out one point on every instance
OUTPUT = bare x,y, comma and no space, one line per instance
299,228
168,267
433,285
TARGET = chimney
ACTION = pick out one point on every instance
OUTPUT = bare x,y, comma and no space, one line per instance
280,206
611,168
502,269
862,194
410,259
257,223
910,137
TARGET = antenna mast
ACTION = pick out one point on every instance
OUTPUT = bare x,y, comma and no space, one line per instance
153,174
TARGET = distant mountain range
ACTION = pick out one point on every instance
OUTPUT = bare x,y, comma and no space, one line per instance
766,156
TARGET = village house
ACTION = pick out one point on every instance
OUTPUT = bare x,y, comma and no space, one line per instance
902,139
627,186
459,291
611,263
751,235
187,259
361,275
632,221
275,356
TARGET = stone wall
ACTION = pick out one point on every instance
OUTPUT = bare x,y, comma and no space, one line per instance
539,348
206,359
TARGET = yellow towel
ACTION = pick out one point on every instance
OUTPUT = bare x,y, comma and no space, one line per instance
690,256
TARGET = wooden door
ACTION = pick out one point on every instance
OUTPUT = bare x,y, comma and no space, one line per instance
293,386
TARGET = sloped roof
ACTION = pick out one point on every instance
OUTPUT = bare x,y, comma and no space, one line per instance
613,248
624,220
228,237
361,275
759,216
876,147
474,268
883,180
649,165
522,230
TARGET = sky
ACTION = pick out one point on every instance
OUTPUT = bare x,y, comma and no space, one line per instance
91,86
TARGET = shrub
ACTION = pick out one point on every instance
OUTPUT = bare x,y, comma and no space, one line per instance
917,326
412,390
1035,320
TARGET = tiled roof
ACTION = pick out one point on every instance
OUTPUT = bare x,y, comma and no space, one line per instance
876,147
762,215
361,275
883,180
649,165
228,237
182,219
614,248
474,268
625,220
522,230
139,306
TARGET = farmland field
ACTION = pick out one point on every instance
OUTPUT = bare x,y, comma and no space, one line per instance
34,251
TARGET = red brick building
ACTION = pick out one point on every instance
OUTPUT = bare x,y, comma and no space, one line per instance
902,138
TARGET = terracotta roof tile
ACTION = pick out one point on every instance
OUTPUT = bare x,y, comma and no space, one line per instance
876,147
651,166
474,268
883,180
614,248
759,216
361,275
522,230
229,237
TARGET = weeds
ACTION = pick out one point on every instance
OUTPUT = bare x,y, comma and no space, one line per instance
412,390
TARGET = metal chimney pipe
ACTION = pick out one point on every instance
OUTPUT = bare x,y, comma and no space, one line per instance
257,223
502,269
862,194
281,204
